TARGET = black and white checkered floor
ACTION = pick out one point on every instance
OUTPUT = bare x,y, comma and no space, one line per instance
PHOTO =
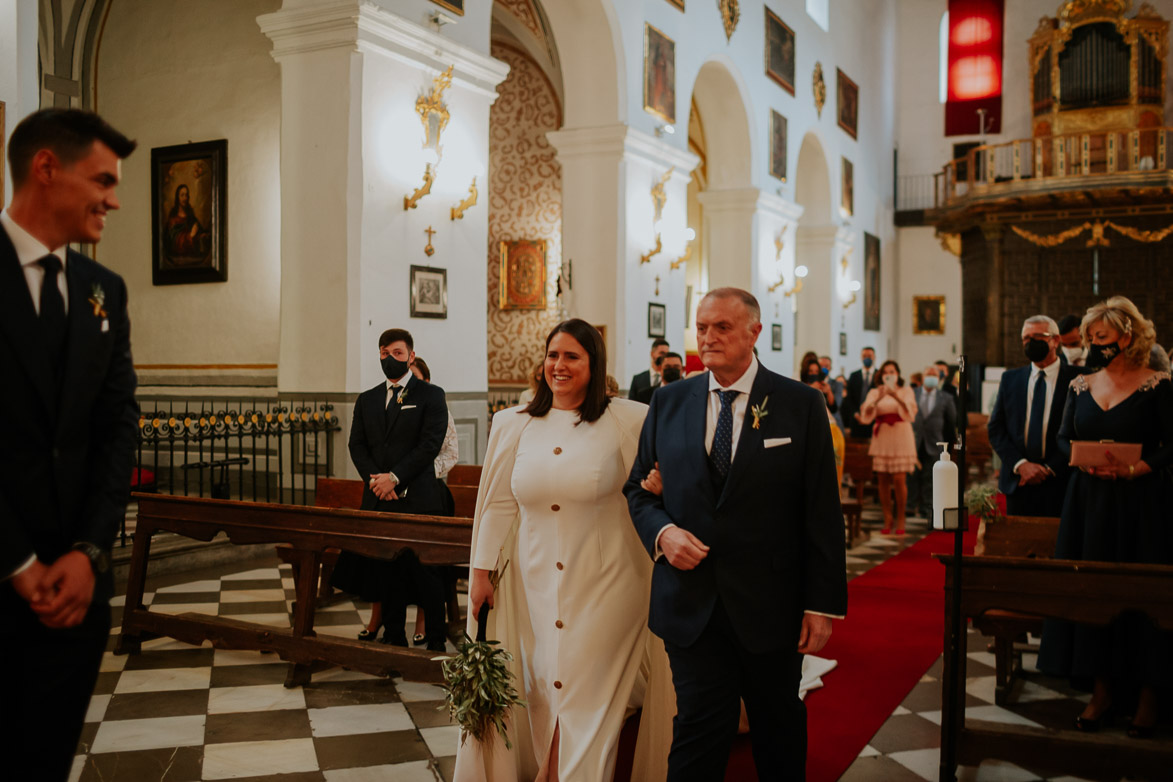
178,712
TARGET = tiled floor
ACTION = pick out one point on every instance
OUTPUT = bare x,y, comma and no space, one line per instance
182,713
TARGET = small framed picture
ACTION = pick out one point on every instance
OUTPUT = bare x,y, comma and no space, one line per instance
848,103
659,74
777,145
847,190
189,213
523,275
843,343
779,52
657,317
776,336
455,6
429,292
928,314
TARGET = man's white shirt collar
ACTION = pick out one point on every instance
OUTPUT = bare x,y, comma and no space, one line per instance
29,249
1051,371
744,384
401,382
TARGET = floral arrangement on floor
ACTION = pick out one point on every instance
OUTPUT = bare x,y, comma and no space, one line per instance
985,503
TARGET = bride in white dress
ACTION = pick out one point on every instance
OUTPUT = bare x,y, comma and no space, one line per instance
573,604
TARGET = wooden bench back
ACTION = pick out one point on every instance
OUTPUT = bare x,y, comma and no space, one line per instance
1029,537
465,475
345,493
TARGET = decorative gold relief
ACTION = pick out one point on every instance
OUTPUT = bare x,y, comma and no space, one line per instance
459,210
433,110
682,259
1054,240
1141,236
652,253
951,243
659,196
820,88
429,250
778,243
730,14
1075,11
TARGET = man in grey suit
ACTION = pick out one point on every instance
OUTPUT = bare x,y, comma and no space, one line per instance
935,422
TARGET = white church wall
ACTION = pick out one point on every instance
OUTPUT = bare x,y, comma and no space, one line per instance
863,45
926,270
172,72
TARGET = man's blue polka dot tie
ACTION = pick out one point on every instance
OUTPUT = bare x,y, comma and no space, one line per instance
722,451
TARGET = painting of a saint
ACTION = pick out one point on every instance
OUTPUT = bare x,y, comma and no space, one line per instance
871,285
659,74
847,197
779,52
189,212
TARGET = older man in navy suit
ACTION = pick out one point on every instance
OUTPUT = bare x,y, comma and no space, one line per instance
67,444
1025,421
747,538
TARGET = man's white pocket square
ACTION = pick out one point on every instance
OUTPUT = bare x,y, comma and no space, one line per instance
772,442
407,407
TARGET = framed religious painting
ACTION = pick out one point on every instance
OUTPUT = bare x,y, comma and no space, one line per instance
847,189
928,314
455,6
659,74
871,282
189,213
848,103
429,292
657,320
779,51
843,343
523,275
776,336
777,145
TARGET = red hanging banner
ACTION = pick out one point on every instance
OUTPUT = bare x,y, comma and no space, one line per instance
975,67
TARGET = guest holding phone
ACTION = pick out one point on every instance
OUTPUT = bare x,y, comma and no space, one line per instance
1117,512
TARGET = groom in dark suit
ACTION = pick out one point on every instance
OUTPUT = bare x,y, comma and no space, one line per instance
747,539
1024,424
67,443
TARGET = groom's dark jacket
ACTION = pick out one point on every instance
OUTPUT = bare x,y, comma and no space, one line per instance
775,529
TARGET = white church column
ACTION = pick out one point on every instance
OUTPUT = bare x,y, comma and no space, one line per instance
609,226
742,229
352,148
819,307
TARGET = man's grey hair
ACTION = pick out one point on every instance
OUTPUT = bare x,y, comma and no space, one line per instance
744,296
1052,326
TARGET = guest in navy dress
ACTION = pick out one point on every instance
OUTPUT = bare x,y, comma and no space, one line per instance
1117,513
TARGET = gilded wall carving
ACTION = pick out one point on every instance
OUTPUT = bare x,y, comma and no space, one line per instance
526,14
525,202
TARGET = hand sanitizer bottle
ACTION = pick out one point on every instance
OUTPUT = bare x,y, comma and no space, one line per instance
944,487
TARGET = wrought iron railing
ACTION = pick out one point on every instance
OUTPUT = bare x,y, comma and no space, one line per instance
263,450
1073,158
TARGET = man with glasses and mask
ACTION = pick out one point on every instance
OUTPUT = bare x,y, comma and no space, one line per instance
644,383
1025,421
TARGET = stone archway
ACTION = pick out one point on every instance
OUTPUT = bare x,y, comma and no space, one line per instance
818,239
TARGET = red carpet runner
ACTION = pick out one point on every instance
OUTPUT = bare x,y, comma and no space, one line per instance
893,633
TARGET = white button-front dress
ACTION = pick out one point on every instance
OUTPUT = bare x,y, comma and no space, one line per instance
583,574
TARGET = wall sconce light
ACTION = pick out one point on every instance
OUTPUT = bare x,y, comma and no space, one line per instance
689,237
434,116
471,201
410,202
799,273
855,286
659,198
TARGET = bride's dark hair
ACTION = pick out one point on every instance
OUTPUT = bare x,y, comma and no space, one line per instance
596,400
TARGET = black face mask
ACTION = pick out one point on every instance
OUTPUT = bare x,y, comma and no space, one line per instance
1099,356
393,368
811,378
671,375
1036,349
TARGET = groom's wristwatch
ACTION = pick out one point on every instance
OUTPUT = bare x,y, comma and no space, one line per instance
99,559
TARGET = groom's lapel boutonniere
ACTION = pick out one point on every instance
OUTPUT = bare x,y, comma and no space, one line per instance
760,412
402,395
98,300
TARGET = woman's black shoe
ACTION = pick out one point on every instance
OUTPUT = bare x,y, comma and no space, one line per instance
417,639
1088,725
436,644
368,635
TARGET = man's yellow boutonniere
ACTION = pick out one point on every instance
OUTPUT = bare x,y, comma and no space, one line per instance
759,412
98,300
402,395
